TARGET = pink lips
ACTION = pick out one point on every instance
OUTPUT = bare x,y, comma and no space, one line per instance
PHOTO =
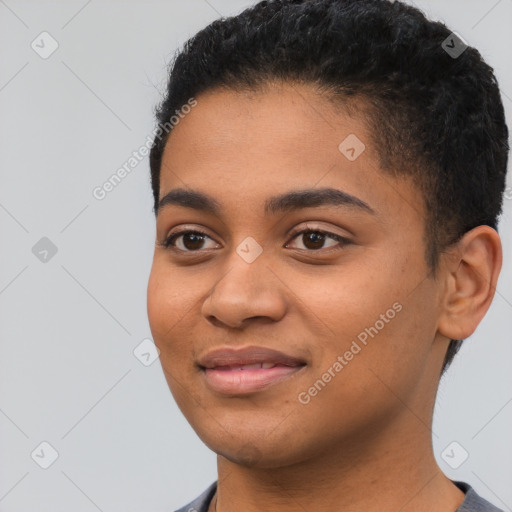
240,371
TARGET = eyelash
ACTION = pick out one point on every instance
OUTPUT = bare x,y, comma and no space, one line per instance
168,242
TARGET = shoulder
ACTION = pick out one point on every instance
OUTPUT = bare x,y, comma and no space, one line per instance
474,502
201,503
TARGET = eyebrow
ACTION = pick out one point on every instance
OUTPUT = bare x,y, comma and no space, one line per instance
290,201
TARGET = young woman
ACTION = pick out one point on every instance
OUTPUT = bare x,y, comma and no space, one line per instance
327,177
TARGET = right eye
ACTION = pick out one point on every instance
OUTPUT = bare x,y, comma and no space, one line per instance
186,241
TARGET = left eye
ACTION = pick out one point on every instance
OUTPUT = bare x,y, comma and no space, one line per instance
314,239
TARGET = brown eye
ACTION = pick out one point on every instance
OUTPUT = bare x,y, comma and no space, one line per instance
191,241
314,239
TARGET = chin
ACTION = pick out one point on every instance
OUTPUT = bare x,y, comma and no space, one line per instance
258,453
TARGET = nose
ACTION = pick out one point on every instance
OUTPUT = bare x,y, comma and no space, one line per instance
246,292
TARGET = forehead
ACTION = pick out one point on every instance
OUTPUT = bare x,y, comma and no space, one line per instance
284,121
245,146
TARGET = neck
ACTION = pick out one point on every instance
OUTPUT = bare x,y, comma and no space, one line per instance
367,474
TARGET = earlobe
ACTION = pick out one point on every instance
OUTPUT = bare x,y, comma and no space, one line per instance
471,273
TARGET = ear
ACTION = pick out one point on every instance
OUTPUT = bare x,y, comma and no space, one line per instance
471,272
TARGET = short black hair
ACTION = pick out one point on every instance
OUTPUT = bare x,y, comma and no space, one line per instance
434,116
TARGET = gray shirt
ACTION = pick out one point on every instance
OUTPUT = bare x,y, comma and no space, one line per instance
472,503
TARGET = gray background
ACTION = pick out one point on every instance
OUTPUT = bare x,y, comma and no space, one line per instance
69,326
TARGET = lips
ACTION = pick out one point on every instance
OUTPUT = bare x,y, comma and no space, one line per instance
230,371
247,357
255,366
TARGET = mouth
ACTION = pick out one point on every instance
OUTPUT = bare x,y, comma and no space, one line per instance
244,371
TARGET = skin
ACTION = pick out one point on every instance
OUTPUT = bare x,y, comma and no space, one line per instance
364,442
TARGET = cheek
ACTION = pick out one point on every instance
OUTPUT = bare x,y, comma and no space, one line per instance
170,306
171,301
348,300
160,304
169,296
386,307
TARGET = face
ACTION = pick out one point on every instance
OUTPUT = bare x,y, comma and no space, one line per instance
334,279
